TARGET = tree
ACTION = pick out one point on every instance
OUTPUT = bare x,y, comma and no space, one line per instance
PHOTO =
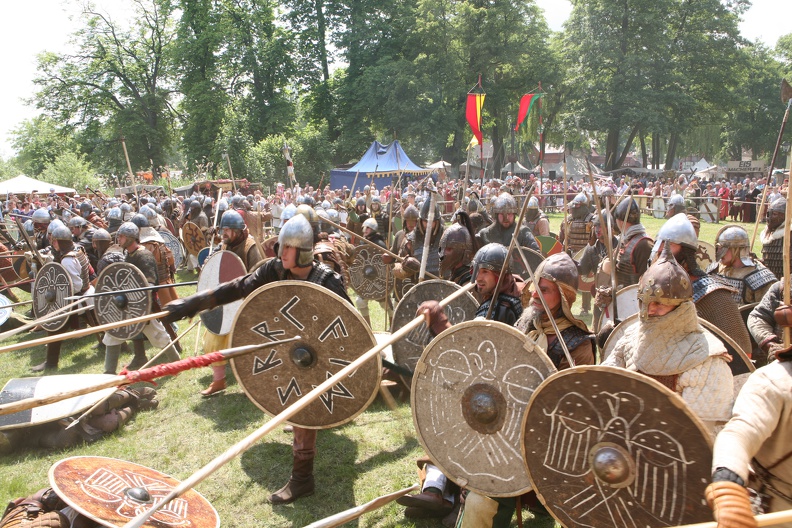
70,169
38,142
119,81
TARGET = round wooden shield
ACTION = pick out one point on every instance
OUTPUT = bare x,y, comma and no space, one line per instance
585,282
203,255
21,267
193,238
705,254
18,389
112,492
333,334
517,266
658,207
740,363
408,350
626,304
549,245
5,313
402,286
609,447
269,247
175,245
119,277
470,390
221,267
50,290
709,212
368,274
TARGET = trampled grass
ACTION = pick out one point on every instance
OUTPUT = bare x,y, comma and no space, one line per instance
372,456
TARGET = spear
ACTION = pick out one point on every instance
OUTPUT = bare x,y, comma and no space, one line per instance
132,290
137,376
129,167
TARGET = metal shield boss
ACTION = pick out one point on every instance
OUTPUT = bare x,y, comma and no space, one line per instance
407,351
333,334
112,492
50,290
193,238
221,267
469,393
610,447
120,277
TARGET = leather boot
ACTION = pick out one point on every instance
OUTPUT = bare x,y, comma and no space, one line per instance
140,358
218,381
301,483
111,358
53,355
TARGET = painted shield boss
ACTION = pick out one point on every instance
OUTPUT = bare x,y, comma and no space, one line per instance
50,290
368,274
193,238
221,267
112,492
469,393
407,351
175,245
609,447
333,334
120,277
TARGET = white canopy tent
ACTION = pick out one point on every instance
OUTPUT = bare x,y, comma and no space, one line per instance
22,185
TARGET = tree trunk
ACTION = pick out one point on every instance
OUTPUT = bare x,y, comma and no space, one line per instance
656,150
627,147
644,156
611,146
672,145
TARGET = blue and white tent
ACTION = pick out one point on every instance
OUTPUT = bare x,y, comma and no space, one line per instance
380,164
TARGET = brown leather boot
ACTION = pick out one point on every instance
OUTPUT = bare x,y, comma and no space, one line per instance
214,387
301,483
53,355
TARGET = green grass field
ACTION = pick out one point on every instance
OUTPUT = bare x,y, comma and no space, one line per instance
372,456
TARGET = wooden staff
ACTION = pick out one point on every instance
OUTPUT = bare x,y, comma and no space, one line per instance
786,280
214,226
248,442
145,366
544,305
512,243
564,203
354,182
353,513
608,244
129,167
765,519
55,314
230,172
429,231
132,290
137,376
372,244
20,303
786,97
82,333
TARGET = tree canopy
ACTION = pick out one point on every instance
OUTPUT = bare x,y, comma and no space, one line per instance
186,82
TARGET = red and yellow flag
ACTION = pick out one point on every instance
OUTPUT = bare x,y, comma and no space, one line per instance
475,102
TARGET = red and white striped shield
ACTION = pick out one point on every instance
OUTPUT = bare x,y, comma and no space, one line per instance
221,267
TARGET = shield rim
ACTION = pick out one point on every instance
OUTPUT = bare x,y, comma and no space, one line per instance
352,310
117,332
203,287
582,369
5,313
82,511
57,324
421,365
